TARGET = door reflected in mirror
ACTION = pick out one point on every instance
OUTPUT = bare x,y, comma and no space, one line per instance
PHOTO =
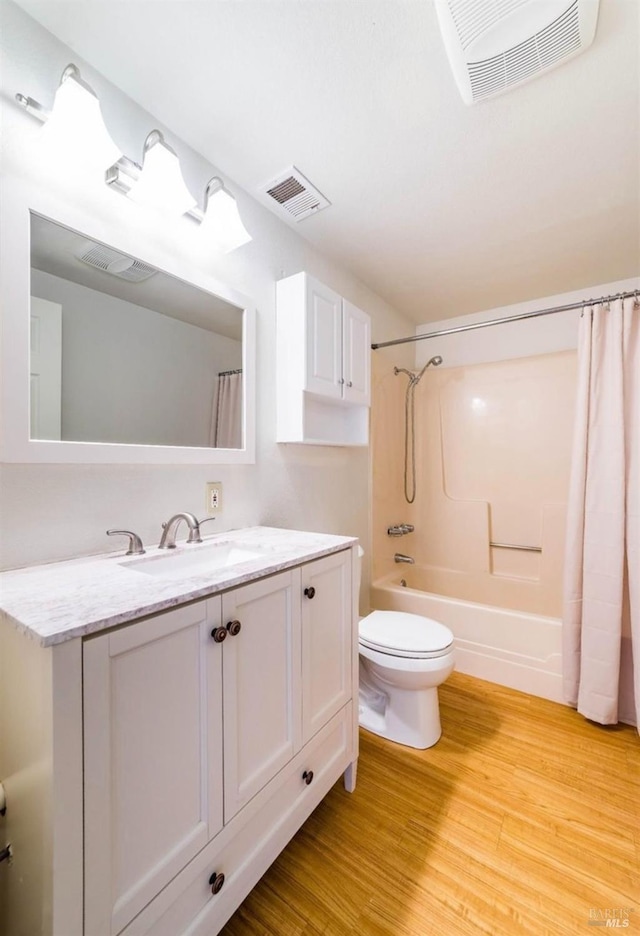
121,352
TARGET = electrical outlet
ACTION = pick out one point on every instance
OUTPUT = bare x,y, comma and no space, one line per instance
213,498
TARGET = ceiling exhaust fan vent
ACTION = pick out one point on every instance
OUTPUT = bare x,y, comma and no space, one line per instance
113,262
295,195
495,45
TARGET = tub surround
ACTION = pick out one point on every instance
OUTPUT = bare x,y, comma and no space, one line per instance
492,467
56,602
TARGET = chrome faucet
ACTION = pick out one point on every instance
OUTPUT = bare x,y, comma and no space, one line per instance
400,558
169,529
399,529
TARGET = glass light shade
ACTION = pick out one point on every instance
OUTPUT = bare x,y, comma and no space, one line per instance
75,130
160,184
222,222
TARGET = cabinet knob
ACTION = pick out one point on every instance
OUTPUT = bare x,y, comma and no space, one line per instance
349,383
234,628
307,776
310,592
216,881
219,634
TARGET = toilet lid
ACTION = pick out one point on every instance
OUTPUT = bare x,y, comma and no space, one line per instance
401,634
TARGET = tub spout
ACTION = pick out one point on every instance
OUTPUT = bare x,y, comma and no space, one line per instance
400,558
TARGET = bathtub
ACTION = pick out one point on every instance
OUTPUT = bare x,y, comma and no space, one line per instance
518,649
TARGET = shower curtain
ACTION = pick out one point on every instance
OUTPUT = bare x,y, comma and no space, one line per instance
601,619
227,428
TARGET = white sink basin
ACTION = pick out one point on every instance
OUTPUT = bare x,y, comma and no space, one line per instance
193,560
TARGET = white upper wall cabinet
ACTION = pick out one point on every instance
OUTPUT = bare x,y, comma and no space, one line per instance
324,350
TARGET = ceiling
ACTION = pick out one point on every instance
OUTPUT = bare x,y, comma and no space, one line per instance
439,207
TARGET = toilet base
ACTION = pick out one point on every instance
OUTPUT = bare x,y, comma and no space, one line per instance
408,716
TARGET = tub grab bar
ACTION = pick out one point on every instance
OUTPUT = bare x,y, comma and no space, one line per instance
513,546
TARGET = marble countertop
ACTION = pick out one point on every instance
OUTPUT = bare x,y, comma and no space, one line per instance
62,600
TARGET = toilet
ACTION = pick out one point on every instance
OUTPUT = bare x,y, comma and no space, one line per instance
403,659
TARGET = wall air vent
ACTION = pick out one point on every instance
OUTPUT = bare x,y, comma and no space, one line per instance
294,195
495,45
113,262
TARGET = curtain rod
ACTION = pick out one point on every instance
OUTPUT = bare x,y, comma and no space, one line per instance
508,318
228,373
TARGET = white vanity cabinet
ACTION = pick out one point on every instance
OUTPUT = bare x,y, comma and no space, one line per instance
199,757
324,353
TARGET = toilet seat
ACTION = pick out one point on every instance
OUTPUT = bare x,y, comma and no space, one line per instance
400,634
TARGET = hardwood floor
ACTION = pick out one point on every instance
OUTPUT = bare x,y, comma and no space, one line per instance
524,818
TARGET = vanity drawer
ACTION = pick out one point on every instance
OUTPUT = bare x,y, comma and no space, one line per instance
246,847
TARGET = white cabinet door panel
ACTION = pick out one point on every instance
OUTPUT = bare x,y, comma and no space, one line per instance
356,338
326,640
153,742
261,685
324,344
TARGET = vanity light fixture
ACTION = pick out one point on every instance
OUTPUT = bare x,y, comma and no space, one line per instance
74,128
222,222
160,183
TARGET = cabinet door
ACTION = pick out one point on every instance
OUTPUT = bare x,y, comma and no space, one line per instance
324,340
327,629
261,678
356,340
153,764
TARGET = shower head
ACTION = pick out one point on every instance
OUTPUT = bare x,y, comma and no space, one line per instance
413,377
436,361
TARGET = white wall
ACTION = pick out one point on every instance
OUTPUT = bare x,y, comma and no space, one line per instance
49,512
133,375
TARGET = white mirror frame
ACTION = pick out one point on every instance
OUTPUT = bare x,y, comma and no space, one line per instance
18,202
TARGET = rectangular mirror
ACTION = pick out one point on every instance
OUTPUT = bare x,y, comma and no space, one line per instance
122,352
124,359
